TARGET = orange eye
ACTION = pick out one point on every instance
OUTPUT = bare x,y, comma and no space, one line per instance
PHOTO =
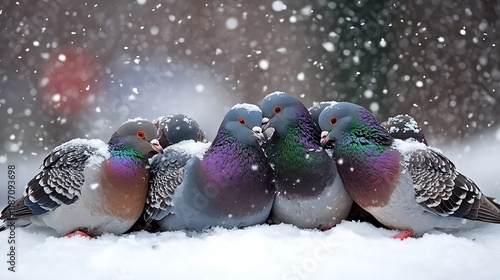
334,120
278,109
141,134
241,120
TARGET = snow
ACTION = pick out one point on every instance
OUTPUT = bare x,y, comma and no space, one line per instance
101,148
327,103
231,23
264,64
138,119
374,107
276,93
329,46
409,123
278,6
164,120
247,106
300,76
349,251
190,147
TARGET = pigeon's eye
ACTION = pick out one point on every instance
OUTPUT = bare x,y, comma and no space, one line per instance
241,120
334,120
278,109
141,134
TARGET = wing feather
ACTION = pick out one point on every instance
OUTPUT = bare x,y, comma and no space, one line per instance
166,174
445,191
59,182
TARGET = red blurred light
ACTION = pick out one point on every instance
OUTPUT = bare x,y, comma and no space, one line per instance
69,80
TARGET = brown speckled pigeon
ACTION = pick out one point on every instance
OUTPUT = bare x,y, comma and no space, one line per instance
90,186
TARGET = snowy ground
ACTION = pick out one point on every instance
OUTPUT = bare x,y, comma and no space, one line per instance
349,251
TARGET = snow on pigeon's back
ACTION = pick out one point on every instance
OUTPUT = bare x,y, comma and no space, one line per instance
190,147
408,147
101,148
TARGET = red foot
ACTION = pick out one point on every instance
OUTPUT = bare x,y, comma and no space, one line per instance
79,233
403,235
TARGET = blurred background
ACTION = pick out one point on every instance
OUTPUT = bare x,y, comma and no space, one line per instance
78,69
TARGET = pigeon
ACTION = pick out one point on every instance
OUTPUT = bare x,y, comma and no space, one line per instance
228,183
175,128
310,194
404,127
406,185
171,129
89,186
316,110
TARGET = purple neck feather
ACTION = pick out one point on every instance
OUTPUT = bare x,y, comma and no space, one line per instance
230,163
367,164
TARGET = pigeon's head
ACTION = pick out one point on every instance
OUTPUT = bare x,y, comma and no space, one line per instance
316,110
137,134
244,122
279,109
404,127
172,129
338,120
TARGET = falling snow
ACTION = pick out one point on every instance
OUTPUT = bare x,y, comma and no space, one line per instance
264,64
231,23
329,46
79,69
200,88
278,6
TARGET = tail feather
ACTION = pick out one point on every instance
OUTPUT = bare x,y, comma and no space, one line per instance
489,211
17,210
16,223
492,200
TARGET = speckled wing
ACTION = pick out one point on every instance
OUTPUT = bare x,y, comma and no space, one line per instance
166,174
445,191
59,182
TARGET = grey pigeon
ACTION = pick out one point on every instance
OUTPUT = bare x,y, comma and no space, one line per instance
172,129
175,128
90,186
195,186
310,193
402,127
406,185
316,110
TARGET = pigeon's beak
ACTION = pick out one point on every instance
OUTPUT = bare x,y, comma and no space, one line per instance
265,123
325,140
266,128
155,144
261,138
